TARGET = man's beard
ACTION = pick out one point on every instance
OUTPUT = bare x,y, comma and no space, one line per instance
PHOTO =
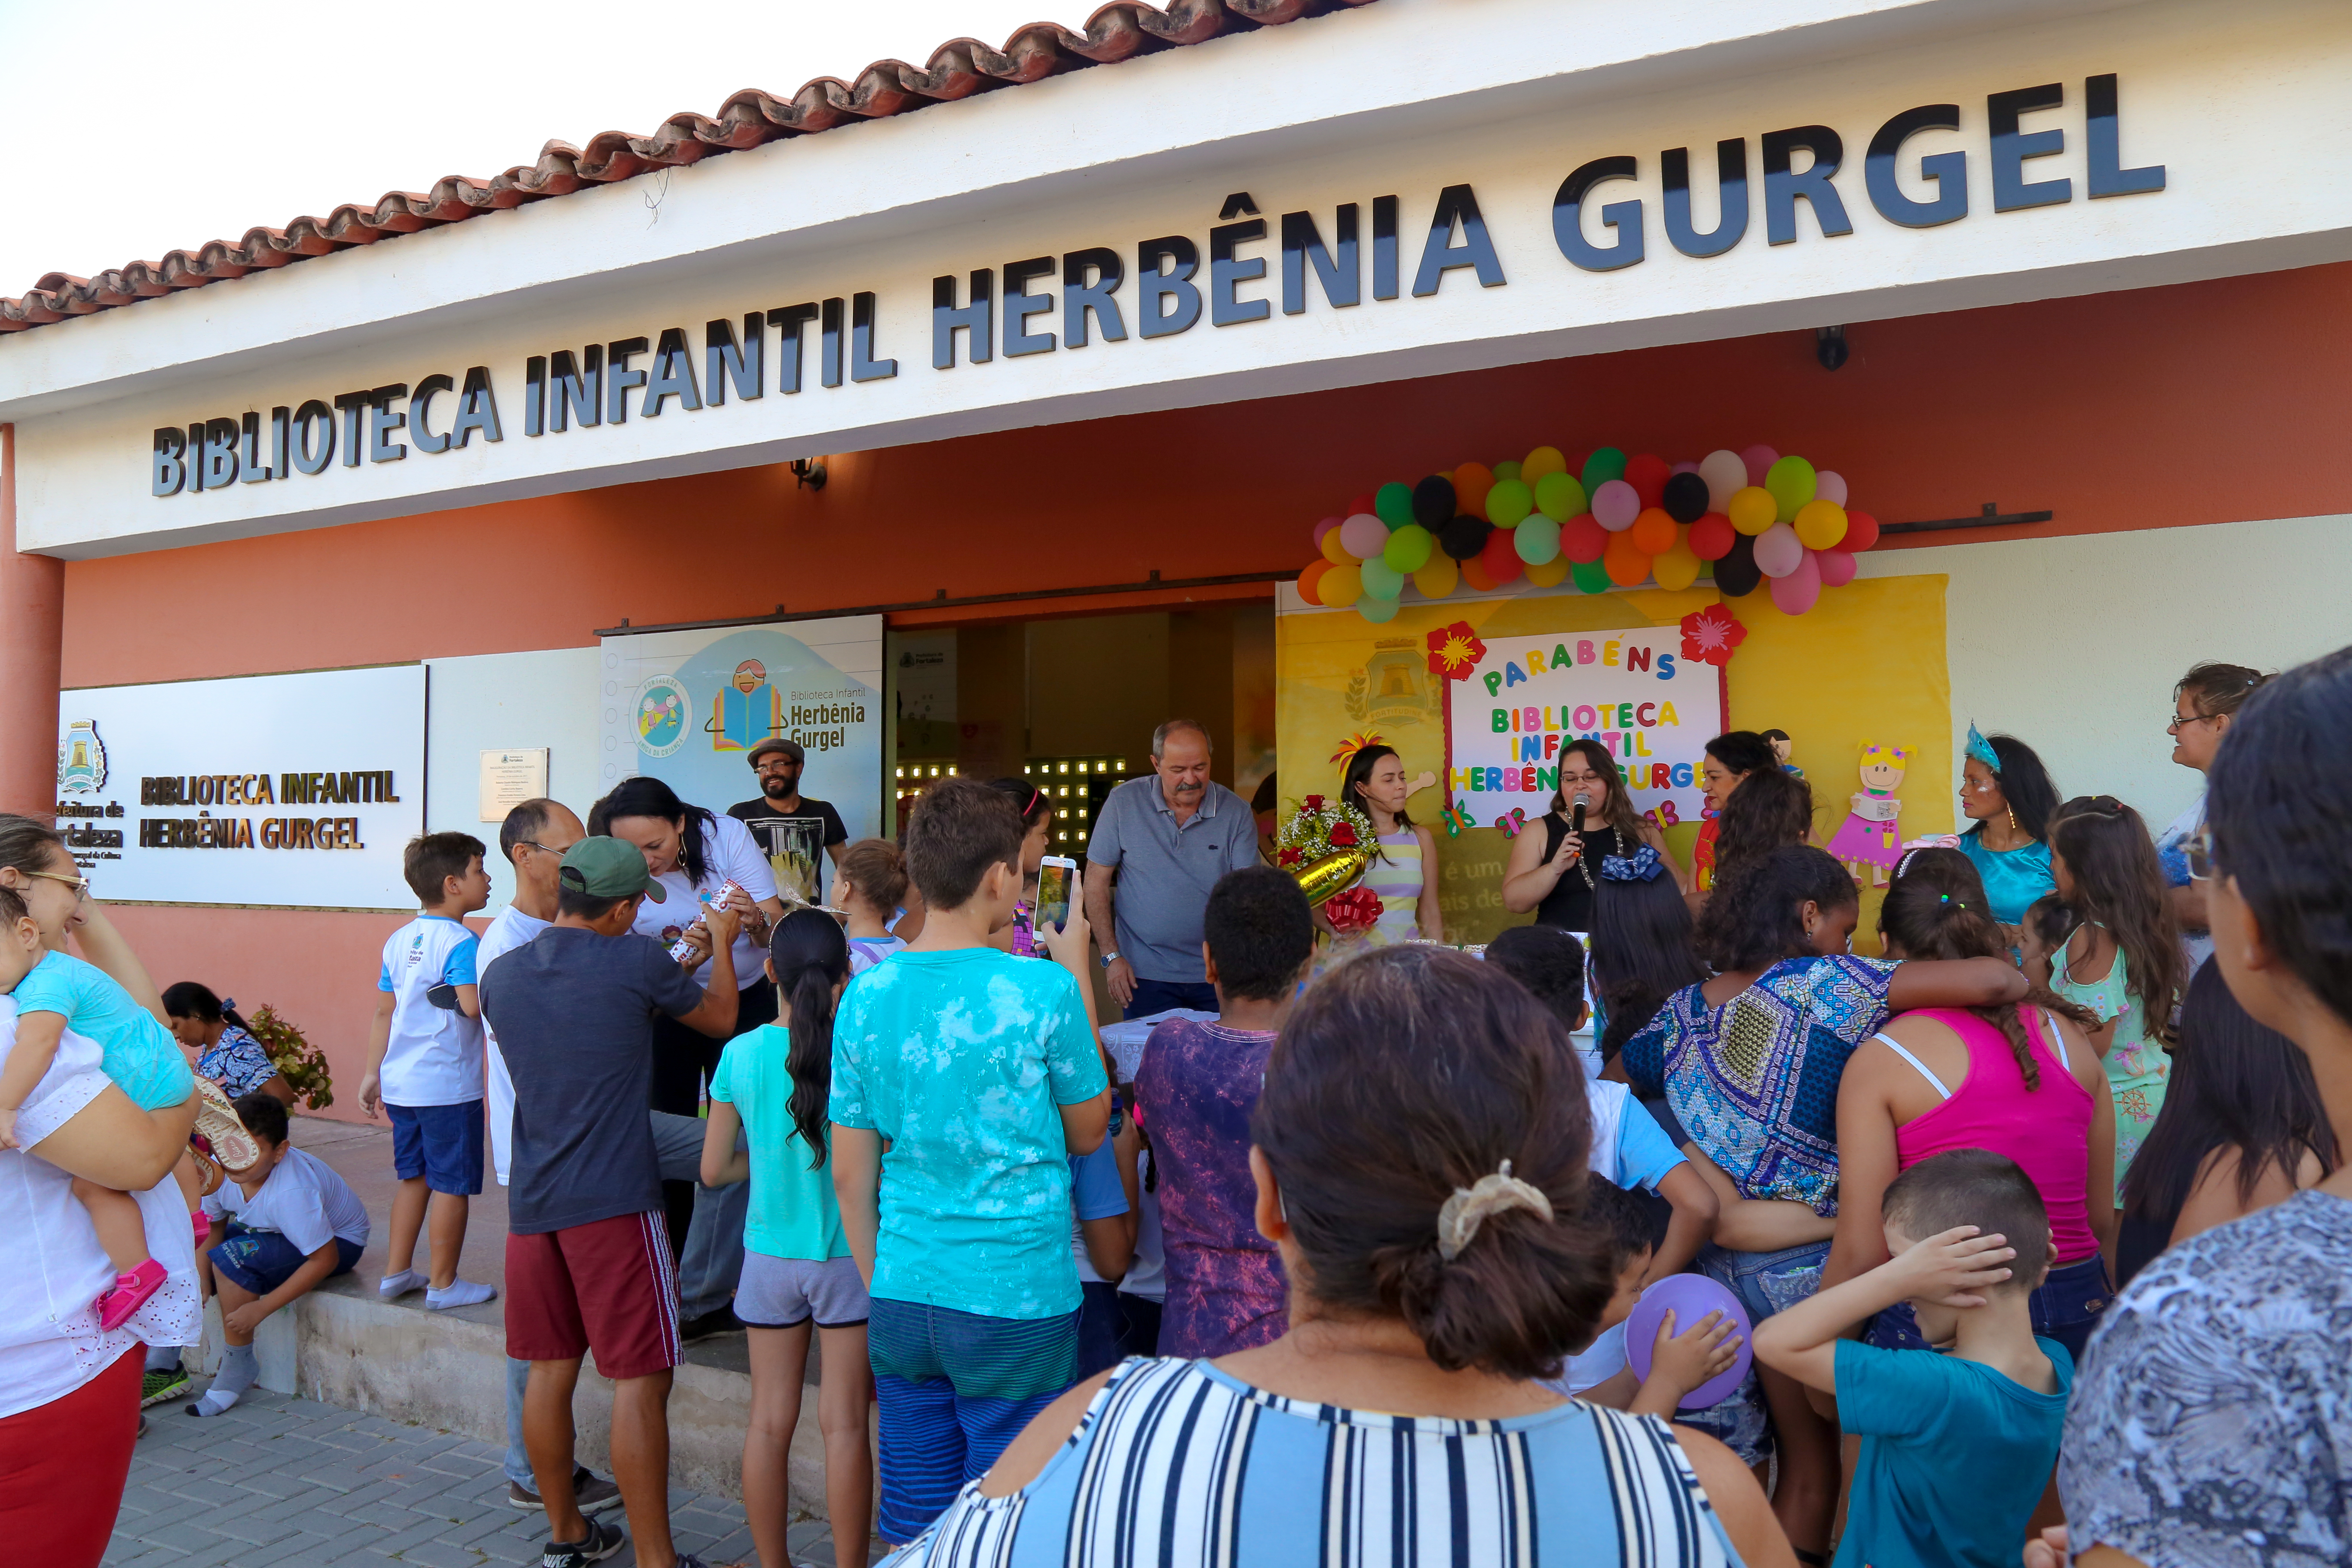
782,789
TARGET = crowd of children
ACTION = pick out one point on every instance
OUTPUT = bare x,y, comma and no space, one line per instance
1890,1199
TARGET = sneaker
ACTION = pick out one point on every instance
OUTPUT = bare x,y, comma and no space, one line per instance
591,1493
717,1320
158,1386
216,1121
130,1293
602,1542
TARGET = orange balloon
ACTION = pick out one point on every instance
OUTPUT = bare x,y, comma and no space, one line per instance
1474,577
1653,532
1471,483
1311,576
1626,563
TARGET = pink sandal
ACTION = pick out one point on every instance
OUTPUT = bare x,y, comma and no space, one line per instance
131,1292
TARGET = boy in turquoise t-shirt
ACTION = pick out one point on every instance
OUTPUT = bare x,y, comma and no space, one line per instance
1957,1442
981,1070
55,992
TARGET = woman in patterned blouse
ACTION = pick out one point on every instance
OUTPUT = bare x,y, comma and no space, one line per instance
224,1049
1749,1063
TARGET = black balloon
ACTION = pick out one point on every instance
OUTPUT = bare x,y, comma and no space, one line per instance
1686,498
1735,575
1464,537
1432,501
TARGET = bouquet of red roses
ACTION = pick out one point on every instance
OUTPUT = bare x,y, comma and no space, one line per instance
1325,845
1355,909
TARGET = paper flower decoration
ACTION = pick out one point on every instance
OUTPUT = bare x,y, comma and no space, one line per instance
1454,651
1356,743
1711,636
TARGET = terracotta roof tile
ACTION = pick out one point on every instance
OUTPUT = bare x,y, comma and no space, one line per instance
957,68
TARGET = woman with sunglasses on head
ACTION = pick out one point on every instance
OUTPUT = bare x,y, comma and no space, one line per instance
2204,705
1553,867
2122,960
2007,792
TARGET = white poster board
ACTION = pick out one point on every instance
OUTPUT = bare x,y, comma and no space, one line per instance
1630,689
279,791
688,706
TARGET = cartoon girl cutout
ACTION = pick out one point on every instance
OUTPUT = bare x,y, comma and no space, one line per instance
1868,837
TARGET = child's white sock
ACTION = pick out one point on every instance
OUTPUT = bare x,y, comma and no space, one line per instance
399,1284
459,1293
239,1371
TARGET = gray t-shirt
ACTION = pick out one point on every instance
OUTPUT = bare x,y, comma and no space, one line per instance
574,1011
1165,871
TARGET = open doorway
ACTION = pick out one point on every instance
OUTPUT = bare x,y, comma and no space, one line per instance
1070,703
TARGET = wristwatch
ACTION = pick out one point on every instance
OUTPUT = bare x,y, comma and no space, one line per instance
1108,959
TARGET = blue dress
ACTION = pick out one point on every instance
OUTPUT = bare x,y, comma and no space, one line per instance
2013,878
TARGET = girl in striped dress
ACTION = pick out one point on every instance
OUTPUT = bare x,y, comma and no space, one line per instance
1421,1164
1403,872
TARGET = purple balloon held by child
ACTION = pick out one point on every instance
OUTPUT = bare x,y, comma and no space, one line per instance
1690,1297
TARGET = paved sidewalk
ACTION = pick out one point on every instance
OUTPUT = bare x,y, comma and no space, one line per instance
298,1484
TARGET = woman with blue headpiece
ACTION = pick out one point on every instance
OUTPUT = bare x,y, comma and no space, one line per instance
2008,793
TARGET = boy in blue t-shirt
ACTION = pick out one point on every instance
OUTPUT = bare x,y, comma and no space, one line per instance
982,1071
1957,1442
55,992
425,1068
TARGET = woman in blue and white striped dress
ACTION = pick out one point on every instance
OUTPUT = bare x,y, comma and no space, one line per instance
1421,1164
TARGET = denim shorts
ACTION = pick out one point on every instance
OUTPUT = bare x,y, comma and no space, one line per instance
1766,1282
2066,1307
442,1143
262,1260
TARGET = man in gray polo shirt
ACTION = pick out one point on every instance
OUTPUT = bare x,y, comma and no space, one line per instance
1170,837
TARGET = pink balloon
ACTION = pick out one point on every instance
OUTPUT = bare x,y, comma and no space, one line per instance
1837,567
1363,536
1324,527
1760,460
1686,467
1828,487
1778,550
1615,505
1796,593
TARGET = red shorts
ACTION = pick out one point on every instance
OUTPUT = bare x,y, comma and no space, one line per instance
62,1466
607,1286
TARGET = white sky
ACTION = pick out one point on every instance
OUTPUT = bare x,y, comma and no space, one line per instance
155,135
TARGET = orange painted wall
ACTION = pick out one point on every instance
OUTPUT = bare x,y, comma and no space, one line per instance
2203,402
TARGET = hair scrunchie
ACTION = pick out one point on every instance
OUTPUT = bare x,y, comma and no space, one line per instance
1466,1210
1641,866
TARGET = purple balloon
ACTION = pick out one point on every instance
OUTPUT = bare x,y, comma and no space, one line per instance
1778,550
1615,505
1690,1297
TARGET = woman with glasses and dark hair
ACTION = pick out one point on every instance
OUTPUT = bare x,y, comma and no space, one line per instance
1553,867
2204,704
2008,793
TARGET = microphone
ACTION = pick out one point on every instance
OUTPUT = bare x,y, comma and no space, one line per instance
1576,822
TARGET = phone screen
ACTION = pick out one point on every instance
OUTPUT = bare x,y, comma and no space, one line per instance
1053,891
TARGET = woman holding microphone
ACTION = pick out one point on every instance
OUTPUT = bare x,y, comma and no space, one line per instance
1554,870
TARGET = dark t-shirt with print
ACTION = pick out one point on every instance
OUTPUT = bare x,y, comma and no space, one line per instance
793,841
574,1013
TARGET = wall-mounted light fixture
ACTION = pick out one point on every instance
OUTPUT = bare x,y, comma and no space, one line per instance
1829,346
808,473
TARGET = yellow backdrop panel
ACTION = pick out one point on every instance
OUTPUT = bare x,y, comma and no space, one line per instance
1866,663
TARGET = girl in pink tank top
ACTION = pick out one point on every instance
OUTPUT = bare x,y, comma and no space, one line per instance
2020,1081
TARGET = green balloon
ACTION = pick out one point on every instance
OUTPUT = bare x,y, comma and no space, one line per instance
1509,469
1381,581
1375,610
1605,465
1393,505
1558,497
1791,483
1590,576
1408,549
1508,501
1537,540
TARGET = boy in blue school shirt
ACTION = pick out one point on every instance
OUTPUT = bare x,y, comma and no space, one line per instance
982,1071
425,1068
1957,1442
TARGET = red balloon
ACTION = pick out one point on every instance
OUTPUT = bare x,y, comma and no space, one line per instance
1648,475
1860,532
1583,540
1501,557
1362,503
1712,537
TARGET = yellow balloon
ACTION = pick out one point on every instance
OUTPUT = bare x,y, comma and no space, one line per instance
1678,568
1550,574
1753,510
1439,578
1341,586
1541,461
1334,552
1821,524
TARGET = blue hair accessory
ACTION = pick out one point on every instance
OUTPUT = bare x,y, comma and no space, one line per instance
1982,749
1639,866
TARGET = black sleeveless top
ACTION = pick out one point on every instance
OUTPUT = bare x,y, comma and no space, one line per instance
1569,905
